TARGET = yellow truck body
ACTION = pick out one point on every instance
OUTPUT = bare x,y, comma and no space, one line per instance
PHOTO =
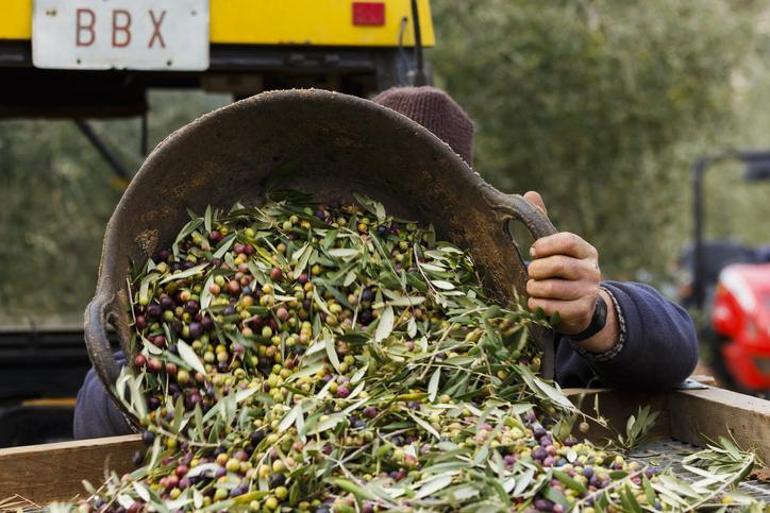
277,22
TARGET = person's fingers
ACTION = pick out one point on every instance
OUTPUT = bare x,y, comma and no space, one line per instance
563,243
574,316
563,290
537,200
560,266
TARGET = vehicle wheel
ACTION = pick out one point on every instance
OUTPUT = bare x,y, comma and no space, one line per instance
714,343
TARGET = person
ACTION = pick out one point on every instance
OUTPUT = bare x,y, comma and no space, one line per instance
610,333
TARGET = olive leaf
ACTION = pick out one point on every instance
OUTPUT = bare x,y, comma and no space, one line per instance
385,324
433,384
302,257
192,271
434,485
190,358
343,252
224,246
372,206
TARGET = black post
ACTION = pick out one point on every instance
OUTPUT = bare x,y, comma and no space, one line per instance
143,136
756,162
420,78
699,287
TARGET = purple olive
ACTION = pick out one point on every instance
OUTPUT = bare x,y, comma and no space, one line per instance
196,330
154,311
239,490
366,317
191,306
148,437
166,302
276,480
192,400
257,436
141,322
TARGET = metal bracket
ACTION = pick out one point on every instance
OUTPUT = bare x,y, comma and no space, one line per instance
106,153
103,150
691,384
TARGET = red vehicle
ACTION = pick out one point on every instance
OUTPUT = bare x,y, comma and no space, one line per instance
740,318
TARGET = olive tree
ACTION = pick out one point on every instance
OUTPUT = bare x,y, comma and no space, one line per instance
598,105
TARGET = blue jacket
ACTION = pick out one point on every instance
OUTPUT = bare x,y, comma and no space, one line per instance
658,349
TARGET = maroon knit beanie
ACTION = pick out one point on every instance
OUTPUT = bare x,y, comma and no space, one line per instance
436,111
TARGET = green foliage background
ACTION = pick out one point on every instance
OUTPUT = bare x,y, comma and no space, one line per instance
599,105
56,195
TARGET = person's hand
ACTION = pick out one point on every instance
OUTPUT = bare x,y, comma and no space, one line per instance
564,278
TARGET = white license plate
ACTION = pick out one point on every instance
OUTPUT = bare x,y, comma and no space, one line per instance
122,34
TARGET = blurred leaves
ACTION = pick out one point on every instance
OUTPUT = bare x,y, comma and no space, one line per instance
56,195
598,105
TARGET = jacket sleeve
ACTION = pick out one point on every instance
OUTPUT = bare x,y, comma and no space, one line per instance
658,347
96,415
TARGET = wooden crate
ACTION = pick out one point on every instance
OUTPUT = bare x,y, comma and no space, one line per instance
45,473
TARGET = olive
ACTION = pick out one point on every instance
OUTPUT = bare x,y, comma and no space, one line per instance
166,302
140,361
154,365
196,330
148,437
140,322
154,311
234,287
191,306
137,458
276,480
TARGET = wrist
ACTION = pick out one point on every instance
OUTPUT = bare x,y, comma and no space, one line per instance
607,338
